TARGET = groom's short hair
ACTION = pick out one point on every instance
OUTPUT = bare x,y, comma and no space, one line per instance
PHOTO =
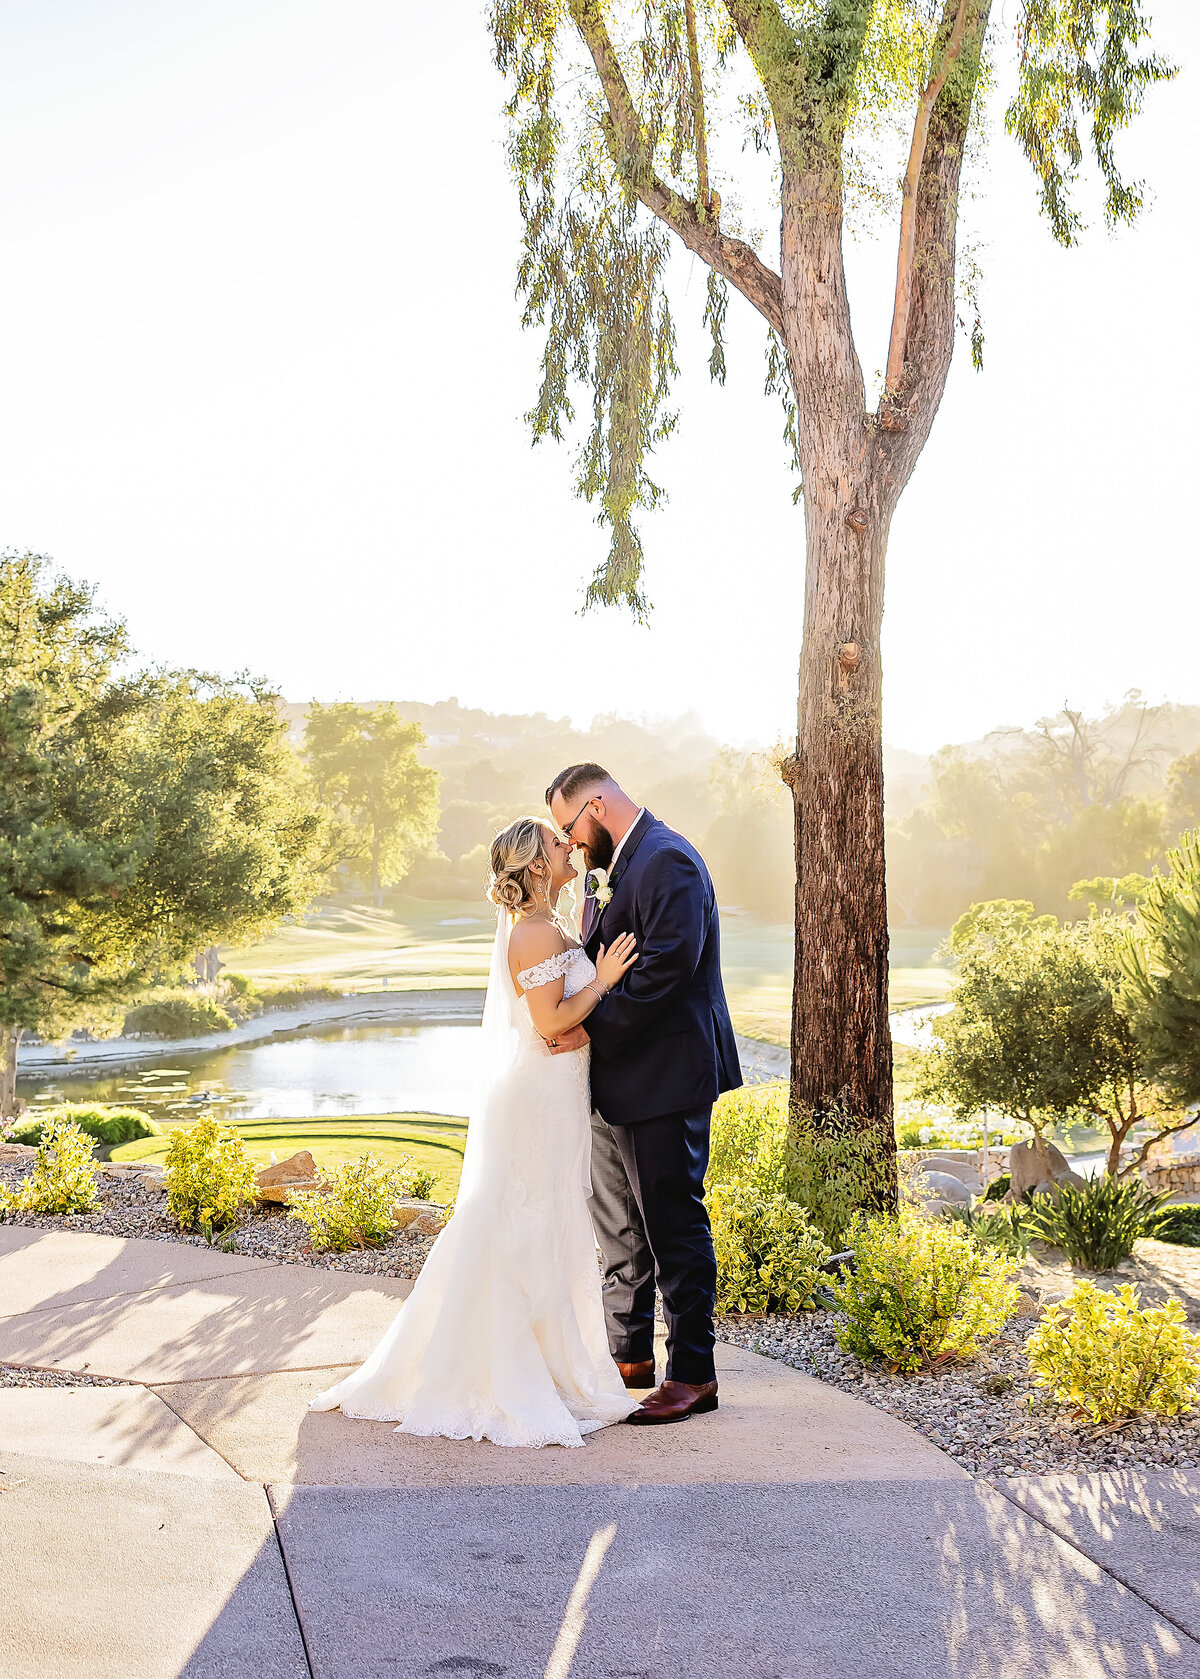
571,781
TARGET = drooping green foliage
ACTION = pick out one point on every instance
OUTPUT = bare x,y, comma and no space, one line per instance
1002,1227
629,121
1161,960
1080,67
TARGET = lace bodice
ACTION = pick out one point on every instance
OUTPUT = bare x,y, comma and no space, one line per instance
574,967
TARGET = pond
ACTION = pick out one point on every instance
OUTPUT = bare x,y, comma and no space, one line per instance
325,1072
382,1068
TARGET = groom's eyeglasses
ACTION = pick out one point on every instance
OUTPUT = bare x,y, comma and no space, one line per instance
567,826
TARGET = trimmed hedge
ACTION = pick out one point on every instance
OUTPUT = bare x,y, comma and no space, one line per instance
103,1124
183,1014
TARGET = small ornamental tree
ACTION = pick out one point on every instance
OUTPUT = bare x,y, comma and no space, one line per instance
1037,1031
364,762
629,129
1161,960
142,815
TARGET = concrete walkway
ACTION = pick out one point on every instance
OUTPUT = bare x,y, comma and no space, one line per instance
201,1522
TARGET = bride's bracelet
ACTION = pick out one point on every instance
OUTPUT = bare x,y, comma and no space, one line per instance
601,994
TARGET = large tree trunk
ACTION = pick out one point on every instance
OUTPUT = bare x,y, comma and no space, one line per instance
376,887
10,1040
855,467
841,1042
841,1045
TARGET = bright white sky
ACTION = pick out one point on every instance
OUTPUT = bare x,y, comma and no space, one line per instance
263,381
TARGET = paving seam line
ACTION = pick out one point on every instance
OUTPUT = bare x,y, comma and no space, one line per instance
287,1574
245,1375
193,1430
1156,1608
154,1288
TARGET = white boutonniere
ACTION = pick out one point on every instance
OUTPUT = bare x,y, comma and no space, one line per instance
598,887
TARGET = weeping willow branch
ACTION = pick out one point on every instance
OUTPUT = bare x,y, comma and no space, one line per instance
908,209
624,135
703,196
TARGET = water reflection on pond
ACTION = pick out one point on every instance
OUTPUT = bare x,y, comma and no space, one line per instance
371,1069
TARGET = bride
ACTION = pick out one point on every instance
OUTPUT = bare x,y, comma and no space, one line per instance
503,1336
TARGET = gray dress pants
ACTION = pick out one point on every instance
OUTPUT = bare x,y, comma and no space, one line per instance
652,1225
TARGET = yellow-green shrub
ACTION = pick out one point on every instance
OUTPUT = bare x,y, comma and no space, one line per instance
924,1292
419,1182
825,1165
1111,1357
748,1139
63,1179
209,1179
769,1257
354,1209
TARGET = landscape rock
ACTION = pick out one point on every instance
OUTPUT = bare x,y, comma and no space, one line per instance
1038,1168
942,1185
16,1151
956,1169
420,1218
148,1177
277,1182
297,1168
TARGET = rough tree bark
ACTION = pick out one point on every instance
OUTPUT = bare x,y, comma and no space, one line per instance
855,466
10,1042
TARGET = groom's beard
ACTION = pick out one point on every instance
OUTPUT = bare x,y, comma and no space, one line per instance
599,854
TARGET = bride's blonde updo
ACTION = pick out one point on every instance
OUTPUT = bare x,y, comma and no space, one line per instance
513,854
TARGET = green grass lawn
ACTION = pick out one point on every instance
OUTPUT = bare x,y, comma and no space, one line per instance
412,943
757,962
422,943
433,1140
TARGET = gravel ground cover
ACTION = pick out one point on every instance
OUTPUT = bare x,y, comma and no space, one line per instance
26,1376
988,1416
130,1207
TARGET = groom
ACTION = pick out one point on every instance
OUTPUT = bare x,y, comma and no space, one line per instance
663,1050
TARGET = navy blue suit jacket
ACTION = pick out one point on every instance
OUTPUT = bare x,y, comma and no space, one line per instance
662,1041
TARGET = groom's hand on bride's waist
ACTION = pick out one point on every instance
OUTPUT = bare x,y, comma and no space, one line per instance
565,1043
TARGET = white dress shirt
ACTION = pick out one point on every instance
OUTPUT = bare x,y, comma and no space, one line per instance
620,846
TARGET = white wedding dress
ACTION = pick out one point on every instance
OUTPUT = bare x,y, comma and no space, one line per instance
503,1336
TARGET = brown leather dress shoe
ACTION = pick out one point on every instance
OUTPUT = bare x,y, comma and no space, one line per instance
639,1375
674,1401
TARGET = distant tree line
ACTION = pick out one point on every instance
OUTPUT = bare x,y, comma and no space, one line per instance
1028,814
1021,814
